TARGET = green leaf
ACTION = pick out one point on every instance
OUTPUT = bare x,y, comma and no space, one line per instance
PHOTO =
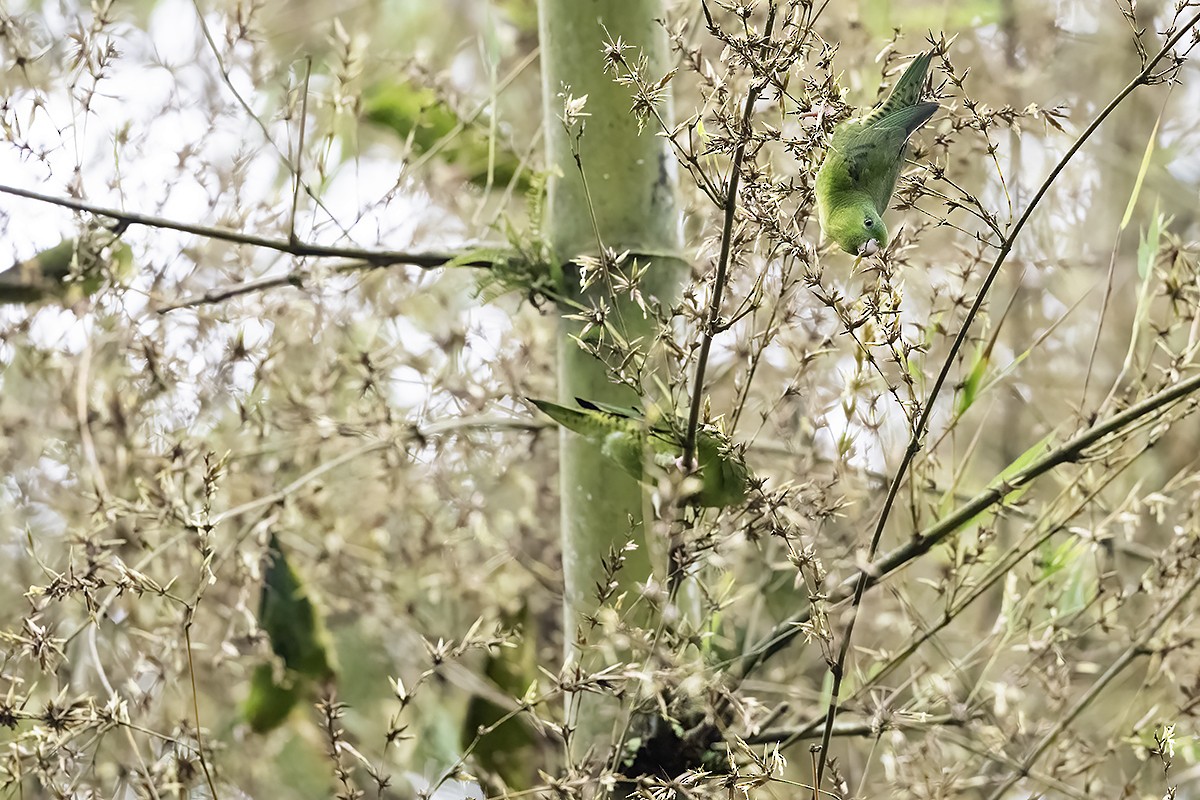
970,386
428,125
1021,462
1066,567
1141,176
1148,243
1148,246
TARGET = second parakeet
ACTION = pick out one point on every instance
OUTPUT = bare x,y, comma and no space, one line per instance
856,180
634,442
70,271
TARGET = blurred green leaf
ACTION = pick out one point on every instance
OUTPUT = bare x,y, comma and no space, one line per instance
507,747
1073,574
1036,451
430,127
1021,462
1141,176
970,387
297,635
882,17
1148,243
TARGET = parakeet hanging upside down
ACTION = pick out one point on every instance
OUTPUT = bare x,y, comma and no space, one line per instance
624,438
863,162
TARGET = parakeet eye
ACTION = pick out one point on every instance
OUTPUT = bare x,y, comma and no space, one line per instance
868,222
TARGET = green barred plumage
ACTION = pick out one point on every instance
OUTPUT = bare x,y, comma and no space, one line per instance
632,442
859,174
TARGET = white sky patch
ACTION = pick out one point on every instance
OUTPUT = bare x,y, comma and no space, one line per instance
487,326
408,389
1077,17
60,329
172,29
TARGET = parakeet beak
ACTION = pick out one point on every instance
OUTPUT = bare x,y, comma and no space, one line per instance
868,248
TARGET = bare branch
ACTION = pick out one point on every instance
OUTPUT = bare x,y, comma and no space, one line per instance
373,258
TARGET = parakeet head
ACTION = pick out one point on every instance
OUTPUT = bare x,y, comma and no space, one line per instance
857,228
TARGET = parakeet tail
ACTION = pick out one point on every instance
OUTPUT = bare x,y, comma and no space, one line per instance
907,91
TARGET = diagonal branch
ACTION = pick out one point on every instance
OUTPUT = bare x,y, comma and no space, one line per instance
1138,647
924,541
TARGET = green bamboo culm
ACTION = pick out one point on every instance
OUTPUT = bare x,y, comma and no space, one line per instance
629,204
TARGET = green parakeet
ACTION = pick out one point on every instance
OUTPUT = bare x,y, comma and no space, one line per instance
69,271
624,438
298,637
856,181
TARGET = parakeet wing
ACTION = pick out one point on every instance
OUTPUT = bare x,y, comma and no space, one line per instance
608,408
874,154
623,437
660,431
866,150
619,437
69,271
909,118
591,421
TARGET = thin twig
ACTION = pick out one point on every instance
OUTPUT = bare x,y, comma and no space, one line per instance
300,482
978,590
300,152
838,668
187,638
869,727
731,199
1137,648
262,126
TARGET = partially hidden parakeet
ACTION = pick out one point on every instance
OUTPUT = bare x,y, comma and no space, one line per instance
633,442
297,634
856,181
69,271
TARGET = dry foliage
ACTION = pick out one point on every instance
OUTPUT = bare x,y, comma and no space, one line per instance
976,453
